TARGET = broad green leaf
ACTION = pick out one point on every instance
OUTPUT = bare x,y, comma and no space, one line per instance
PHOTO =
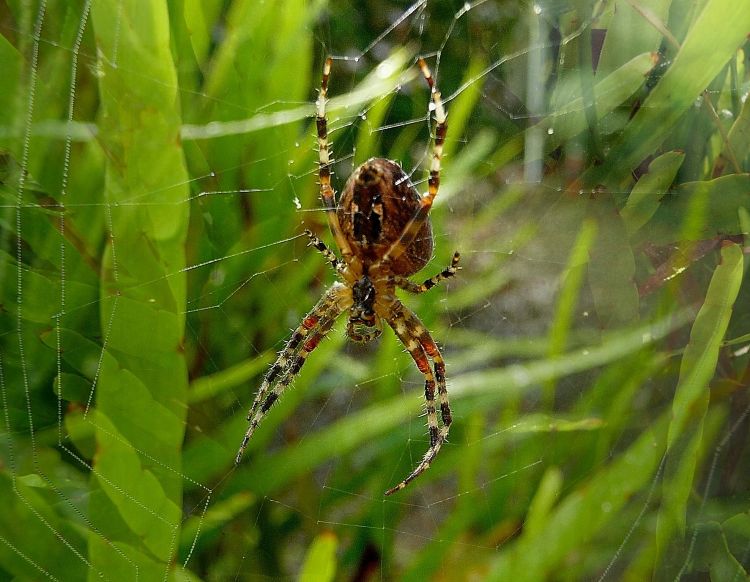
712,554
35,541
142,382
10,64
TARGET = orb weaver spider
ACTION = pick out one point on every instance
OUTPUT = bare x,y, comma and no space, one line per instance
382,229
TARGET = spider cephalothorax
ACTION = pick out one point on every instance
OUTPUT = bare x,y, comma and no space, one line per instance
382,228
363,325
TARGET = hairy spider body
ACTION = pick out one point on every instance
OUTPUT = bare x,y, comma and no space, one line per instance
382,228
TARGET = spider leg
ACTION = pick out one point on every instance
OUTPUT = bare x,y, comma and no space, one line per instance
420,345
304,340
327,195
329,255
415,224
446,273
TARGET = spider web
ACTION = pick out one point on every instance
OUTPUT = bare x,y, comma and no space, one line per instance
355,411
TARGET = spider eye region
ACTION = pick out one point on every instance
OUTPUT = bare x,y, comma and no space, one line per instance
364,324
363,295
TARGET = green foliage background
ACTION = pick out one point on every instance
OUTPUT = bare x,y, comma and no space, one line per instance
157,169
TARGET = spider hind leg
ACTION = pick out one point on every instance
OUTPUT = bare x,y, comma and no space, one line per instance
420,345
314,327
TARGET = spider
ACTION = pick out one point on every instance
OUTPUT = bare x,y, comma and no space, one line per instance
381,226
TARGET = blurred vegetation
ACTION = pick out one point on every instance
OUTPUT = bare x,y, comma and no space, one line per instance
157,170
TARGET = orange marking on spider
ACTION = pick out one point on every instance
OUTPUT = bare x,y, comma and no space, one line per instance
312,343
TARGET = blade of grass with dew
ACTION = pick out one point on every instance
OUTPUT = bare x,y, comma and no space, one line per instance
691,398
713,39
370,88
136,481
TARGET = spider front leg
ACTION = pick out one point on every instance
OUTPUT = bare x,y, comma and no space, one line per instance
441,129
420,345
329,255
304,340
446,273
327,195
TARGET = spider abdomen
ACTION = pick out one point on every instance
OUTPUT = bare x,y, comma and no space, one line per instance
377,203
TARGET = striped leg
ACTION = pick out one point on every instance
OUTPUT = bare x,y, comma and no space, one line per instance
327,194
446,273
415,224
291,359
412,333
329,255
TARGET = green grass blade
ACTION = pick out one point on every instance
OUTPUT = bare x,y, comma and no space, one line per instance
320,561
568,298
691,398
